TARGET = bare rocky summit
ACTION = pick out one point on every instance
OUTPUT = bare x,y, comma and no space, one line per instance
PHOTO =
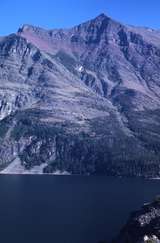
83,100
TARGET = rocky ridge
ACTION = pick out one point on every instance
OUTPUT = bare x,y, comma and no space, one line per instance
83,100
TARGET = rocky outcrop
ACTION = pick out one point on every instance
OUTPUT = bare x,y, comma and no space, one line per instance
143,225
83,100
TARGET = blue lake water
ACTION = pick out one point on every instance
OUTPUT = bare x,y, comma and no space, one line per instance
68,209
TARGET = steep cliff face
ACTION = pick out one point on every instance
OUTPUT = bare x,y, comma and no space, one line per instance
143,225
82,100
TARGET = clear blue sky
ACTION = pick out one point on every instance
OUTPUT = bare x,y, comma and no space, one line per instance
66,13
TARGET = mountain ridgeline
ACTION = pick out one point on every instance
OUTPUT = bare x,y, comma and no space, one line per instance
84,100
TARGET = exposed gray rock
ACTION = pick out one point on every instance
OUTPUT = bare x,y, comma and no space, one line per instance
82,100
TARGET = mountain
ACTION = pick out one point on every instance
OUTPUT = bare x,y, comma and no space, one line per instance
143,225
83,100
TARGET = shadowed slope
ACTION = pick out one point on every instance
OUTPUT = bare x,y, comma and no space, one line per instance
84,99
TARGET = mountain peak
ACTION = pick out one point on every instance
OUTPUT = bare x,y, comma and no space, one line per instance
24,28
102,16
27,28
73,89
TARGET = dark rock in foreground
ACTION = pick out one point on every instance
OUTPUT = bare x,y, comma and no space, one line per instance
143,225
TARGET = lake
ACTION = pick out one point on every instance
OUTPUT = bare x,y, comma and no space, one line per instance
68,209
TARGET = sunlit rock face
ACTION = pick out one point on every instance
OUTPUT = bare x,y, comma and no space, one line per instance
83,100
